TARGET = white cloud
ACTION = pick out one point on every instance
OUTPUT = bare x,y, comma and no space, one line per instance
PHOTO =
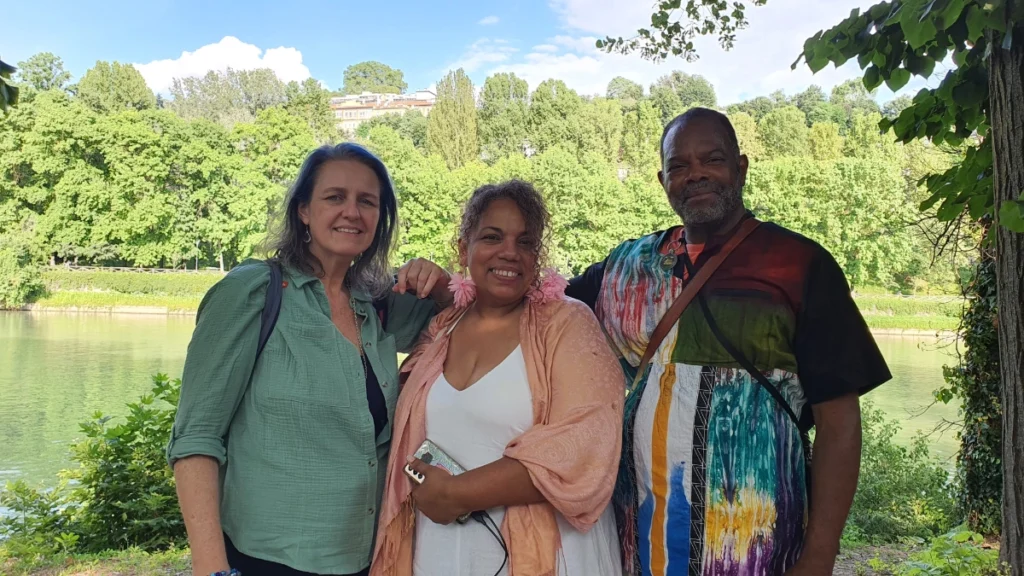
758,64
489,21
484,52
230,52
604,17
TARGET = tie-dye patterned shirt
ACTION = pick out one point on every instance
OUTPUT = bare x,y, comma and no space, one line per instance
714,479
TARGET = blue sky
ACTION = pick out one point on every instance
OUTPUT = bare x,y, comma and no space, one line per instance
536,39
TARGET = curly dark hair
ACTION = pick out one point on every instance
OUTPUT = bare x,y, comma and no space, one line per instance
527,199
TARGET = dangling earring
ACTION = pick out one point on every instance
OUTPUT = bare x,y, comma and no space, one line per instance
548,286
308,238
463,289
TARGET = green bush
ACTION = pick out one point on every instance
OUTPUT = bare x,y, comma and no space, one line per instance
108,300
125,282
894,305
903,491
19,277
928,323
121,495
958,553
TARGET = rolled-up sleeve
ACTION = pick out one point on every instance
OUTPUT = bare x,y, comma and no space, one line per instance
407,316
217,370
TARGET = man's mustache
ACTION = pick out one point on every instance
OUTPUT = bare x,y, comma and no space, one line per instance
703,187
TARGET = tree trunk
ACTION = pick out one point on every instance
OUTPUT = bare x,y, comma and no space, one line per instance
1006,93
221,259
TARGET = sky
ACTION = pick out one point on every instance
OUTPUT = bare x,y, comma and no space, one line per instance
536,39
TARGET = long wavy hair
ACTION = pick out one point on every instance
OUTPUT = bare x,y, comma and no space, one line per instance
371,272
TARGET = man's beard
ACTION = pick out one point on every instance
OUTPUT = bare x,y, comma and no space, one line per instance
726,200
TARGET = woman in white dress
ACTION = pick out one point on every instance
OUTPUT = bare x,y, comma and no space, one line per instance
518,386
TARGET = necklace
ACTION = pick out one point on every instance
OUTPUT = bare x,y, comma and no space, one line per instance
673,248
358,335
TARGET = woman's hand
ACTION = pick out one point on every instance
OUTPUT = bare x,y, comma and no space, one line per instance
424,278
435,497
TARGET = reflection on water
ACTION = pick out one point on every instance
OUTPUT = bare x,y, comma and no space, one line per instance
56,370
916,366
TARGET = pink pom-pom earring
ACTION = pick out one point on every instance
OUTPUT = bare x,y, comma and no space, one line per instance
463,289
551,287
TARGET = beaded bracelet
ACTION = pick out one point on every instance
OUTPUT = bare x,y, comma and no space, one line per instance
231,572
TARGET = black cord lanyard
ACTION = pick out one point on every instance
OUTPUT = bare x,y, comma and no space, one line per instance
485,519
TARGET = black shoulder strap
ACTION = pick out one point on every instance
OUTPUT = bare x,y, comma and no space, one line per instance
747,364
272,306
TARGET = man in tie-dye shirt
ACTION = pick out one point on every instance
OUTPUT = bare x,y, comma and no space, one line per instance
717,477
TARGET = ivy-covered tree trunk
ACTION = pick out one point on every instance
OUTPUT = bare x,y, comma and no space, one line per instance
976,382
1006,94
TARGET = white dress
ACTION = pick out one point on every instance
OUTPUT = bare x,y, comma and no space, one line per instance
473,427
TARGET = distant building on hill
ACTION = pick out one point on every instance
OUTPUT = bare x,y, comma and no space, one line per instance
351,111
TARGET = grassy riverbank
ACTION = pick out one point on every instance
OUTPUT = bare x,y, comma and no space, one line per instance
120,563
853,562
181,292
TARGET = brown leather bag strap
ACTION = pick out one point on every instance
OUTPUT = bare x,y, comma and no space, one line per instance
687,295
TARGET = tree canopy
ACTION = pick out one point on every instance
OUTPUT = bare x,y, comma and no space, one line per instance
42,72
112,86
373,76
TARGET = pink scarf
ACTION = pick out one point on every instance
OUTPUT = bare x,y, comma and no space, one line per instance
571,452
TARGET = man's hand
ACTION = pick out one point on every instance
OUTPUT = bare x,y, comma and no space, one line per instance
424,278
434,497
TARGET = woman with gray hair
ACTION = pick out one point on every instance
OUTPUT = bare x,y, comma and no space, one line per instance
279,456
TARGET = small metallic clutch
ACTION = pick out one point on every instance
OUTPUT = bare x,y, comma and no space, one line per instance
431,454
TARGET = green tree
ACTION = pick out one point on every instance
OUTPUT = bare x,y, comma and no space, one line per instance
692,89
784,132
411,125
864,140
20,280
600,128
853,97
625,89
503,114
111,87
452,124
43,71
893,108
311,102
824,142
810,98
757,108
373,76
847,205
554,109
427,198
746,135
667,102
828,112
641,138
228,97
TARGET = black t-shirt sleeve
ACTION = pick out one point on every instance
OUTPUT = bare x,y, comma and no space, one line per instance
835,352
587,286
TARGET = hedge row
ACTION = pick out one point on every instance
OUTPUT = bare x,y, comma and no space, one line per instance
157,284
891,305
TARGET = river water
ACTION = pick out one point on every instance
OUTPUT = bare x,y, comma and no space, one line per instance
56,370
